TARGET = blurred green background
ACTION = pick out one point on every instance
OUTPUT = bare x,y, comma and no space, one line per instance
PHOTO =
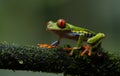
24,22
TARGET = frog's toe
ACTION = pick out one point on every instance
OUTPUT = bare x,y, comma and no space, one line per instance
71,53
72,50
68,49
45,46
87,48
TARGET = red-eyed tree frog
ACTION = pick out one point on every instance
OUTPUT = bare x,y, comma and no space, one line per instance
85,38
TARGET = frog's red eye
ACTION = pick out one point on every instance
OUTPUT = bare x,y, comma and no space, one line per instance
61,23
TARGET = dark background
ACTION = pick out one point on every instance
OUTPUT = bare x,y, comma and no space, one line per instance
24,22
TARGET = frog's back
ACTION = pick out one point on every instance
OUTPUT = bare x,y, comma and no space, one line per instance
81,30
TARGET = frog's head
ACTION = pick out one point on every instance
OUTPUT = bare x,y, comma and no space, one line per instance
60,25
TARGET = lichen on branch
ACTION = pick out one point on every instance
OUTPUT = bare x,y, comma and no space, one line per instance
57,60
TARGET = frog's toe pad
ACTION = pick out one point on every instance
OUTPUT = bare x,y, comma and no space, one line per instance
45,46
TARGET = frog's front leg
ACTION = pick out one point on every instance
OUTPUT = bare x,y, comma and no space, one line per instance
56,43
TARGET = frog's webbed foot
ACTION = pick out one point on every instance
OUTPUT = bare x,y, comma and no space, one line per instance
87,49
46,46
53,45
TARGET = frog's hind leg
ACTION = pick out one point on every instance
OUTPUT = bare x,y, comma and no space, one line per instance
93,42
96,40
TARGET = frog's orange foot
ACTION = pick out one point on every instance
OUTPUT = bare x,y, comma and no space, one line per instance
68,49
46,46
87,49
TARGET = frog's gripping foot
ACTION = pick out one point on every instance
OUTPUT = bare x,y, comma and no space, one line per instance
46,46
51,46
87,49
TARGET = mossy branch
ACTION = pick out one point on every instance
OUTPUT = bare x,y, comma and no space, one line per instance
57,60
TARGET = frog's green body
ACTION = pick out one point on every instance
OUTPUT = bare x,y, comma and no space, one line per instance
66,30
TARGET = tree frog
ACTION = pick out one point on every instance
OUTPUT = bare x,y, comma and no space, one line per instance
85,38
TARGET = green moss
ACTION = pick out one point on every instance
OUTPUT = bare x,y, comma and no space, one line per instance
57,60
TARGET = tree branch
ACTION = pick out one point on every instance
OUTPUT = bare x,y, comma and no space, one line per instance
57,60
